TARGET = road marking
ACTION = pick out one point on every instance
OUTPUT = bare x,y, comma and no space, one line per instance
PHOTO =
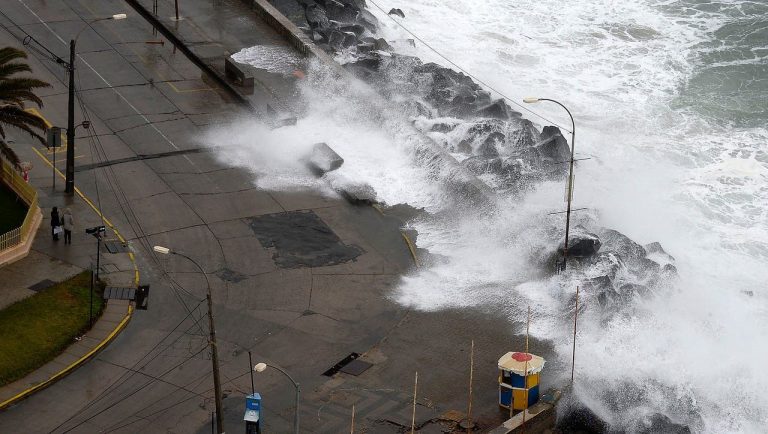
162,76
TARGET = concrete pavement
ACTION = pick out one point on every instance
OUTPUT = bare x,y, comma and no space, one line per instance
155,377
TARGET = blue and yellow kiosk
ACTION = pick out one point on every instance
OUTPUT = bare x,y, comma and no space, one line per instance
519,380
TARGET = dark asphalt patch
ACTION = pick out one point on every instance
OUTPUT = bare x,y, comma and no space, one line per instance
301,239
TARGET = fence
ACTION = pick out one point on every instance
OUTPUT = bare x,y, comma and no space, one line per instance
10,177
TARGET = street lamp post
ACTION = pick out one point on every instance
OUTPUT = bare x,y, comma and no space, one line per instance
260,367
533,100
69,186
214,350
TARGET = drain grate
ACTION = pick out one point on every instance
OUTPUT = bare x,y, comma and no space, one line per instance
338,367
119,293
41,285
116,247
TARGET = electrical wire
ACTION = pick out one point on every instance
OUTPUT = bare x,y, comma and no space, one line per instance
112,427
125,376
465,71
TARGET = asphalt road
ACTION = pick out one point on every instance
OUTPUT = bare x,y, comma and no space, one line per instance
155,377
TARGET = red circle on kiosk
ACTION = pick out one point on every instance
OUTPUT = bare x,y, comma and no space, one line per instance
522,357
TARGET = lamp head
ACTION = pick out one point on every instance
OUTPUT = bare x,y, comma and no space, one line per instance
119,16
260,367
531,100
162,250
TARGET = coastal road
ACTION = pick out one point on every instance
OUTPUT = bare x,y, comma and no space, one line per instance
294,299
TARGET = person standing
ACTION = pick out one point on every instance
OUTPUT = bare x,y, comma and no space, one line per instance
69,224
55,223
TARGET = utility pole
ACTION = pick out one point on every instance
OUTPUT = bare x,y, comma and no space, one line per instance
212,338
215,361
70,170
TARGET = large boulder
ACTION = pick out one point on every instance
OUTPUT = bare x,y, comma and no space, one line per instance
581,243
658,423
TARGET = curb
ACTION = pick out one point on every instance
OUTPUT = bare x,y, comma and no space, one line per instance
178,43
59,375
104,342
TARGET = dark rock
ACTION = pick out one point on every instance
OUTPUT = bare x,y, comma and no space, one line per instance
464,147
357,29
582,244
442,127
630,252
367,20
338,40
498,109
316,17
397,12
489,147
381,45
364,48
606,263
658,423
553,146
580,419
324,159
342,13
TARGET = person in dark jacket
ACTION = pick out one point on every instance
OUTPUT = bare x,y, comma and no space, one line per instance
55,223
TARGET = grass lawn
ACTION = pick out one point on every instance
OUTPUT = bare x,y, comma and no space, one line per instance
12,210
35,330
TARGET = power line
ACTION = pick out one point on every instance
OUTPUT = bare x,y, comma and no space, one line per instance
124,397
125,376
467,72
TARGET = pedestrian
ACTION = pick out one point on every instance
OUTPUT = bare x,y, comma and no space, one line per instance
55,223
69,224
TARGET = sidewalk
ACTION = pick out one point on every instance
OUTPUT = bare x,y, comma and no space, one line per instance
52,261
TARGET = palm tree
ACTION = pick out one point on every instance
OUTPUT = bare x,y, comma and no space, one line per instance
14,92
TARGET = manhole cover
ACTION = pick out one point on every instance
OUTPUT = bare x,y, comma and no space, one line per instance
355,367
41,285
344,362
301,239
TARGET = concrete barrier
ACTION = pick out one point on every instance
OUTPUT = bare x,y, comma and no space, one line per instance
233,71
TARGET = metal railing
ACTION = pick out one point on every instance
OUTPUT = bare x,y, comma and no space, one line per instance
11,178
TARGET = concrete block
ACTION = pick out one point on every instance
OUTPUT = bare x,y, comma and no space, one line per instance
324,159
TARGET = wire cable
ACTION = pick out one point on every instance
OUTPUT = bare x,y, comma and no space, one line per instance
467,72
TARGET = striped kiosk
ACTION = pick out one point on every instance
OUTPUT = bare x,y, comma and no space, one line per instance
518,379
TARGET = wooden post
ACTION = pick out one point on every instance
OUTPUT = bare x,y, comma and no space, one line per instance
413,417
575,317
471,374
525,377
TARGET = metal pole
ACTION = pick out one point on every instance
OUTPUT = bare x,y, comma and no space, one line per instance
215,361
471,373
176,5
413,417
250,363
98,254
70,169
54,168
296,416
214,350
575,317
352,427
90,311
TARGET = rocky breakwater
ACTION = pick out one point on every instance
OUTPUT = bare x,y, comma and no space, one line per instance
486,136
